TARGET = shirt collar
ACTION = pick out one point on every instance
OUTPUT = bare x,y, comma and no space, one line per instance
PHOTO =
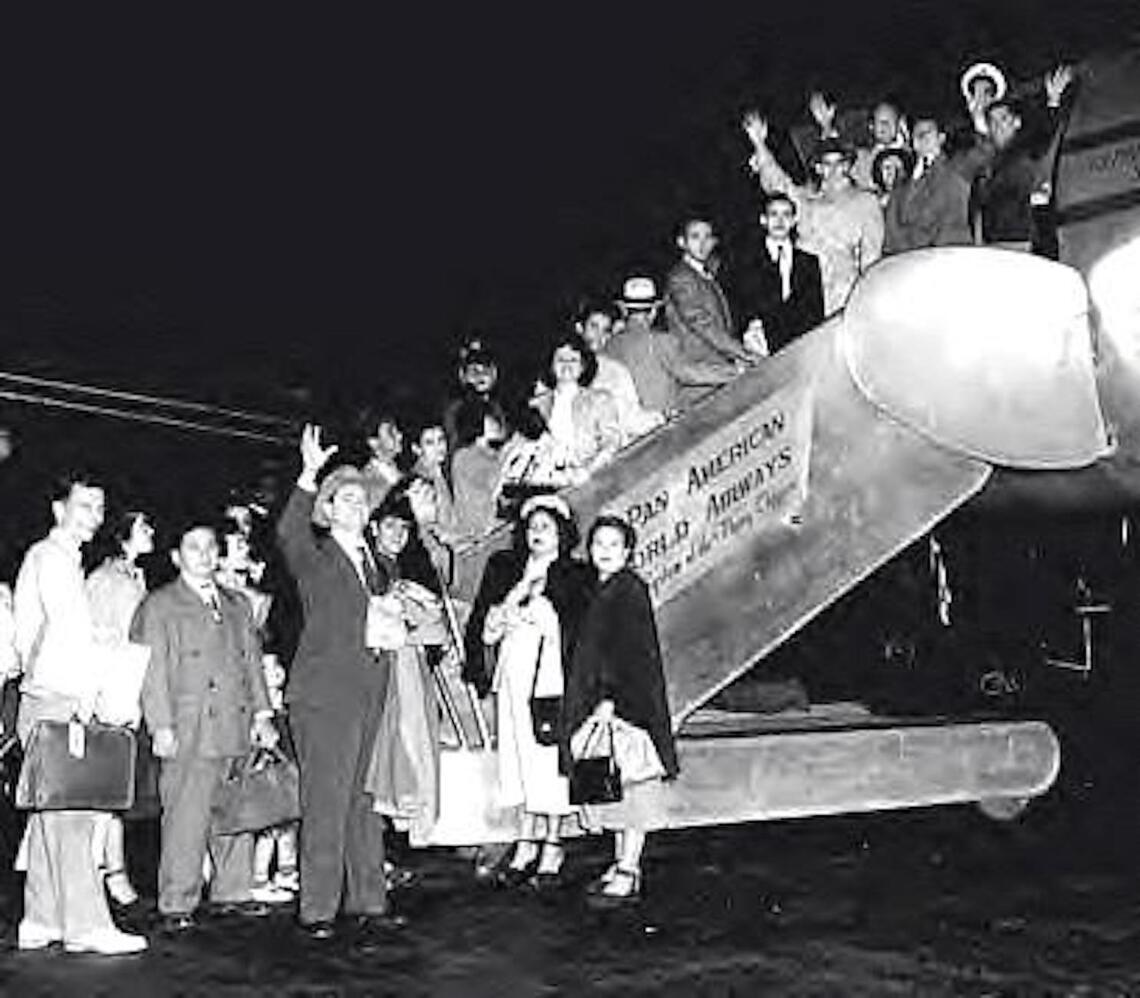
700,268
351,544
775,244
206,591
62,539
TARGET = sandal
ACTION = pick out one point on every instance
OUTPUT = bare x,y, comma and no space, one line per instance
623,888
548,873
599,885
516,874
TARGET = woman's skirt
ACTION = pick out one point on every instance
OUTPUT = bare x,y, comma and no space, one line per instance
641,808
529,776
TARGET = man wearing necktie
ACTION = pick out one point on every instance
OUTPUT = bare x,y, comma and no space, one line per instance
336,693
931,208
204,701
780,290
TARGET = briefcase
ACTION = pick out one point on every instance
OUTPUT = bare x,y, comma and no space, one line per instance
76,766
260,791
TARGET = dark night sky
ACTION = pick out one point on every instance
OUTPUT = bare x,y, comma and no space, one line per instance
211,204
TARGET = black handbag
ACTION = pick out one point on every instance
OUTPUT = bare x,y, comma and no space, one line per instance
596,779
73,766
260,791
545,712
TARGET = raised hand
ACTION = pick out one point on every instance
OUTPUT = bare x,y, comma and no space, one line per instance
1056,83
755,126
822,111
314,456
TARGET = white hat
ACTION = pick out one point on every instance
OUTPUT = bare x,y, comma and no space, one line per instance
639,292
979,69
551,503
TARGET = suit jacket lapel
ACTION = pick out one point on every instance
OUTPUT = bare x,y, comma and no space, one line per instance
725,311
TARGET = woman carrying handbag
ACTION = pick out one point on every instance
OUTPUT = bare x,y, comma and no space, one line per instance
528,607
615,697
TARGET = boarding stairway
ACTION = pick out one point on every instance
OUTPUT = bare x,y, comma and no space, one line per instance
783,490
954,376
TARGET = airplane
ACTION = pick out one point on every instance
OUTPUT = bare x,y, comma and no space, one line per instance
965,377
959,378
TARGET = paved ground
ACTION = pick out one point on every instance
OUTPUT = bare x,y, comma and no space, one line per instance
937,902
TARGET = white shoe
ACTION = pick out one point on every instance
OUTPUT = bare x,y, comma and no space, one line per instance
270,894
109,942
120,889
290,881
32,936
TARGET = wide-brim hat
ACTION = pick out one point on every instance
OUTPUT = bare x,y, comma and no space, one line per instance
833,147
333,482
980,69
639,292
901,153
551,503
395,504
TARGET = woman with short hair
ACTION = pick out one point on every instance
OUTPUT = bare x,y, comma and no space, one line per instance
582,427
615,692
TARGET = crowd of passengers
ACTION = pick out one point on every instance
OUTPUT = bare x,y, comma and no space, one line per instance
327,629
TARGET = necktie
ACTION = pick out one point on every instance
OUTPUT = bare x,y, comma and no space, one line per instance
214,606
372,581
784,262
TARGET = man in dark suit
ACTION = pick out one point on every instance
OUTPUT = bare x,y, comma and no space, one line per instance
780,289
696,309
204,699
932,206
336,694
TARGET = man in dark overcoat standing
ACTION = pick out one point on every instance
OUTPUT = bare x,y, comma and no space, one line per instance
204,700
335,694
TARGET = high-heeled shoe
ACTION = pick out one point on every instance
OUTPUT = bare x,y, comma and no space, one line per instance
623,888
548,872
599,885
515,874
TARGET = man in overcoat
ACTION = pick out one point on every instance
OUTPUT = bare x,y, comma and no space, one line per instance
204,701
336,694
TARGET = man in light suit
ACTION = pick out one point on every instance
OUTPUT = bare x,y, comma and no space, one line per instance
63,892
204,700
696,309
780,288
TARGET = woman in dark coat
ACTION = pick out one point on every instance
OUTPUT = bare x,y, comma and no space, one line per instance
615,689
527,612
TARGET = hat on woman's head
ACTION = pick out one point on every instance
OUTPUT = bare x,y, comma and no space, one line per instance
988,70
905,157
639,292
476,351
332,483
551,503
396,504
